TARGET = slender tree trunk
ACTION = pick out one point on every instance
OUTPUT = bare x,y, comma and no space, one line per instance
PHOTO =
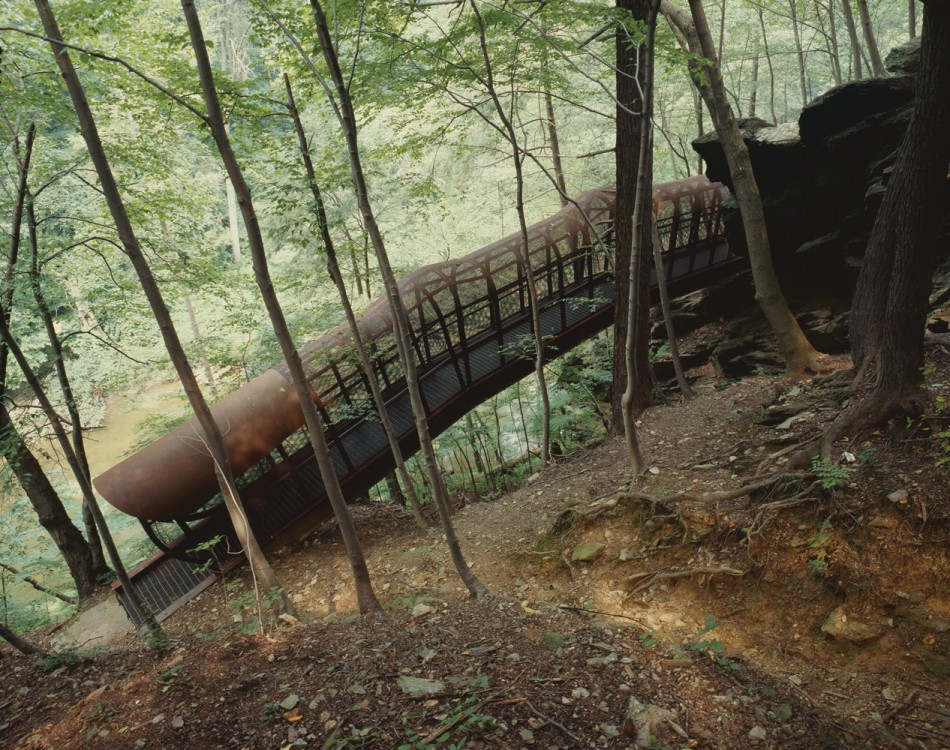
798,353
32,479
768,61
831,37
99,565
366,597
555,146
20,644
264,575
877,66
799,52
912,18
337,275
668,314
526,263
401,326
629,124
853,37
754,89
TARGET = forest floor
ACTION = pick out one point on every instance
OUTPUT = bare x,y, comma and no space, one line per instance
804,616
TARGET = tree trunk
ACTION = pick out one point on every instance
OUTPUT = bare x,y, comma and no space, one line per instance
912,18
401,328
555,146
889,311
642,207
799,52
797,352
768,60
668,313
526,265
366,597
832,38
630,64
212,434
337,276
853,37
754,88
49,508
877,66
99,565
47,505
20,644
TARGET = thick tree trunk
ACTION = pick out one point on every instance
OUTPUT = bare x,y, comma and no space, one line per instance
641,220
889,311
796,351
877,66
401,324
368,603
337,276
47,505
858,71
629,122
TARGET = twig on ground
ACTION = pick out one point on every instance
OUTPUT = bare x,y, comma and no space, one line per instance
553,722
569,608
650,577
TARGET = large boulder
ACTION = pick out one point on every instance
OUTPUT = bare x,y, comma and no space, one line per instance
822,178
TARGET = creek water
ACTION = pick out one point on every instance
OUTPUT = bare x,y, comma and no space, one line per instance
130,418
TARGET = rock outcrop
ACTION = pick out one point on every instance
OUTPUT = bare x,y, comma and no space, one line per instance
822,178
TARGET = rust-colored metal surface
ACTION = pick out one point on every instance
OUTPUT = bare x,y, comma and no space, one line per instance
469,318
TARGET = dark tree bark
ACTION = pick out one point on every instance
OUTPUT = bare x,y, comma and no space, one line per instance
630,62
555,146
889,311
366,597
799,52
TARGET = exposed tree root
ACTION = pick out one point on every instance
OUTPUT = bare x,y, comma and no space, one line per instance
599,507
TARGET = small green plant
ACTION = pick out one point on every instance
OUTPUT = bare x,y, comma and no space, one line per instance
207,546
648,638
451,733
831,475
713,646
168,676
819,543
67,657
944,436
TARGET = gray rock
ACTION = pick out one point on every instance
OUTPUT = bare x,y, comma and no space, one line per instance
587,552
783,712
843,628
290,702
757,734
418,687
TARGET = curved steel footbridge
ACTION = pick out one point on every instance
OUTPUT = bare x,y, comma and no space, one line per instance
472,337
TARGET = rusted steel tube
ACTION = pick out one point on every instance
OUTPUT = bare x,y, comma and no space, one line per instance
174,476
